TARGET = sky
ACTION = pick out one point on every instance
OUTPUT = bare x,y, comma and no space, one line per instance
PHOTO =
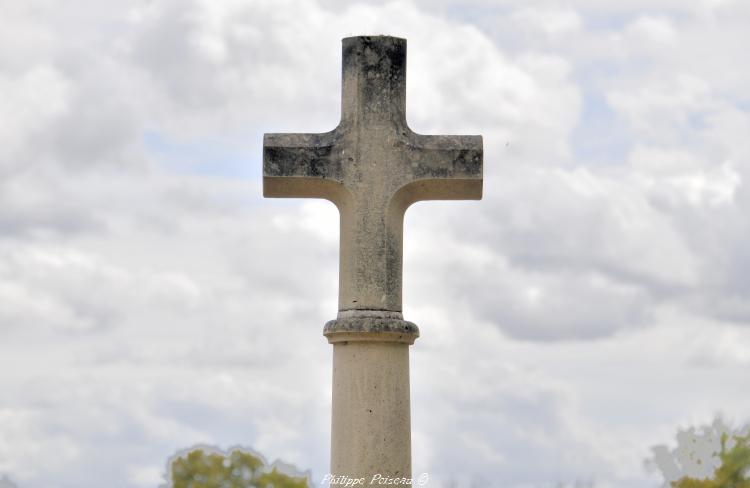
596,301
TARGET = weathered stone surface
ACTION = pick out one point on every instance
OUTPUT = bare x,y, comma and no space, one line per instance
372,167
371,428
370,325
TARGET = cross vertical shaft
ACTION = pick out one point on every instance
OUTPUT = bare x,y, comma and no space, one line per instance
372,167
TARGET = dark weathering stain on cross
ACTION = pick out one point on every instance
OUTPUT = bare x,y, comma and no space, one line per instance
311,161
377,60
463,163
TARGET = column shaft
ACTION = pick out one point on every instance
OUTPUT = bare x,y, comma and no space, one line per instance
371,425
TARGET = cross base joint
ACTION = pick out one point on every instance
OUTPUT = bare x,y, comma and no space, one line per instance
370,326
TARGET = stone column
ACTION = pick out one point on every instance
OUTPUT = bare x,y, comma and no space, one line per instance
371,423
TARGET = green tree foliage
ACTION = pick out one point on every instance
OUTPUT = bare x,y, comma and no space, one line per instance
712,456
734,471
239,469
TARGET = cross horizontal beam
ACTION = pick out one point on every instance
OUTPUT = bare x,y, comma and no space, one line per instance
372,167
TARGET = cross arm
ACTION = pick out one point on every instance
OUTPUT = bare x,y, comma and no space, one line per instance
302,165
443,168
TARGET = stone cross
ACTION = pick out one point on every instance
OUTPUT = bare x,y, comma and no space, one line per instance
372,167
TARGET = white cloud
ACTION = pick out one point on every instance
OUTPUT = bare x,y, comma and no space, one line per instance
31,99
663,108
654,29
551,21
146,476
24,442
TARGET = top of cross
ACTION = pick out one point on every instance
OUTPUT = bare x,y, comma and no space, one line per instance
372,167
